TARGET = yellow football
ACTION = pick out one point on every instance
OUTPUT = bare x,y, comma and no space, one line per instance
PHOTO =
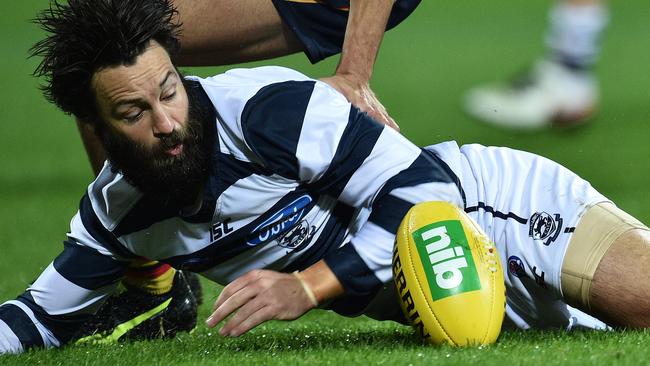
448,276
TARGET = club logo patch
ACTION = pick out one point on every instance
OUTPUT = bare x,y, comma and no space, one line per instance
298,237
516,266
545,227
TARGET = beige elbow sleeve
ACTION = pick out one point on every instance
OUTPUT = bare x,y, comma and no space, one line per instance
595,233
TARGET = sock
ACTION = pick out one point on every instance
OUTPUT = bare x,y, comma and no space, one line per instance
574,36
150,276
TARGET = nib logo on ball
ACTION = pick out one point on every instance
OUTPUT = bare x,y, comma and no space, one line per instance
446,259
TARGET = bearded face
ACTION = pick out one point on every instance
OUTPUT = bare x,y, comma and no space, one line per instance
157,128
172,178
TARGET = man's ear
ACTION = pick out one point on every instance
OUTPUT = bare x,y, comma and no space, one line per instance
88,130
86,126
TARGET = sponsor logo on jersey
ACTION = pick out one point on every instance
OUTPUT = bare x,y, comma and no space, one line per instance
280,222
447,259
516,266
220,230
545,227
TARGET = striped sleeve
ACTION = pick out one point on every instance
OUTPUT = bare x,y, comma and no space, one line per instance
9,341
307,131
65,295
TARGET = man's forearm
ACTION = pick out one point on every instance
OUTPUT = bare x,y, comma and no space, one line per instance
365,30
322,282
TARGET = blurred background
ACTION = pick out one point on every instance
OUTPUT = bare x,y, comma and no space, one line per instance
423,69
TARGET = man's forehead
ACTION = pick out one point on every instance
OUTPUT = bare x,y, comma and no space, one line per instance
151,69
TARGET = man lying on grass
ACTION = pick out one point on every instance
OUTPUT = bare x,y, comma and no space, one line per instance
248,176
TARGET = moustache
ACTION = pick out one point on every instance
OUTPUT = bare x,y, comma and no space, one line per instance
173,139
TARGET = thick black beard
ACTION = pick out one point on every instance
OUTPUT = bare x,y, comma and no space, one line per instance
171,180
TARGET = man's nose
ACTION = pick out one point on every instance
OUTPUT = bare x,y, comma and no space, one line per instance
162,124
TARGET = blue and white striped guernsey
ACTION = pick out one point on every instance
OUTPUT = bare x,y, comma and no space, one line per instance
299,175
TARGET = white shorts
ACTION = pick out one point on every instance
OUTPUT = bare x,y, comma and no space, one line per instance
529,206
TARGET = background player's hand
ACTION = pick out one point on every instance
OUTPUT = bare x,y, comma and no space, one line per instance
359,93
256,297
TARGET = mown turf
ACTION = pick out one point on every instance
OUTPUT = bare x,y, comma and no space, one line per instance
423,68
323,339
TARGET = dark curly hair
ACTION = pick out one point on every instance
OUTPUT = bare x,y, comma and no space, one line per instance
87,35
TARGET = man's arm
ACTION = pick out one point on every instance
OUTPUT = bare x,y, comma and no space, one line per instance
222,32
364,32
307,132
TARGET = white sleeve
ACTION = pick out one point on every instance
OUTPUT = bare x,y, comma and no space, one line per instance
9,342
68,292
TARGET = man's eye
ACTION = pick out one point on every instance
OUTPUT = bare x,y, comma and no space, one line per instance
169,96
133,117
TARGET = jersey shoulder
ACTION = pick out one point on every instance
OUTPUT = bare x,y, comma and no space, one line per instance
232,89
231,92
258,105
112,197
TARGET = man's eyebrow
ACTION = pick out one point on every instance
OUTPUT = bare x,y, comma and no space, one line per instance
138,100
127,101
164,81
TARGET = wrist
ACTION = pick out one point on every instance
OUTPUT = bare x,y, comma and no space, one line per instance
354,77
320,283
308,291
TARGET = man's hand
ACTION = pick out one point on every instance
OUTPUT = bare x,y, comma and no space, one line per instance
256,297
366,25
361,96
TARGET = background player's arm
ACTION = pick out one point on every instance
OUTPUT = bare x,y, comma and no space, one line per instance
221,32
363,35
225,32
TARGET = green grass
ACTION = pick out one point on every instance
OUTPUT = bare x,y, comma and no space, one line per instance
423,68
322,339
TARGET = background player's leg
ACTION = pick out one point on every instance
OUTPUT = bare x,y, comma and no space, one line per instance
561,86
573,38
218,32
